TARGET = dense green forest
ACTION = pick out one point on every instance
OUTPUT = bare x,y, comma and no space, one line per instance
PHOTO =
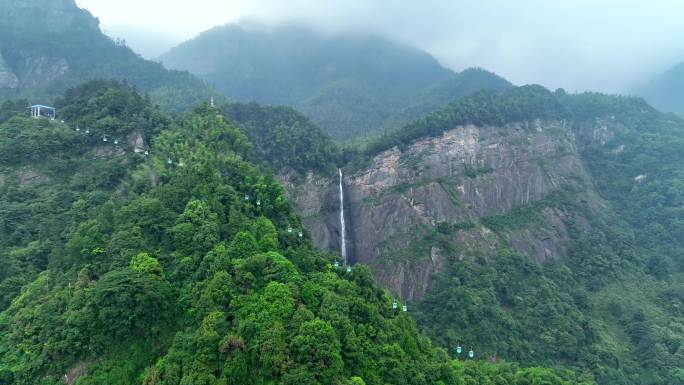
349,84
49,46
185,265
283,138
481,108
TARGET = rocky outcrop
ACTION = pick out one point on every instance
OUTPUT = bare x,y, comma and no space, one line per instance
38,70
29,178
36,35
7,78
317,201
108,152
41,70
77,371
445,191
136,140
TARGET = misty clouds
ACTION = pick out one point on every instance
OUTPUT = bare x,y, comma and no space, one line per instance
606,45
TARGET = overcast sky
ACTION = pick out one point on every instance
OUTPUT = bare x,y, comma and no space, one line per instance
605,45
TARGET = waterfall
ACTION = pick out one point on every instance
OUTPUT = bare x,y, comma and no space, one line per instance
343,229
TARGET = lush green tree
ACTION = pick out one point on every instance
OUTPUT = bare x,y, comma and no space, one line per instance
146,264
266,234
123,304
196,229
242,246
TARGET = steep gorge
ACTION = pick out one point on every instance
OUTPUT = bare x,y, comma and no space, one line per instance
402,198
492,231
533,226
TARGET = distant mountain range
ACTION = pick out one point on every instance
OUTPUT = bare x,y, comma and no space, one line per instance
48,46
666,91
349,84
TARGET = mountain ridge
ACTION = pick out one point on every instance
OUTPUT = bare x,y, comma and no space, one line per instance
50,46
350,84
665,90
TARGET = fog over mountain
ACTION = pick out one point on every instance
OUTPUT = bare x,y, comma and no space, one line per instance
576,45
149,43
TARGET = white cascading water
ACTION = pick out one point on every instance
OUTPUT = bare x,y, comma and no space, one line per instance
343,229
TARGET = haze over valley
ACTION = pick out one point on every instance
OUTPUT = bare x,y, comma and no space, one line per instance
610,46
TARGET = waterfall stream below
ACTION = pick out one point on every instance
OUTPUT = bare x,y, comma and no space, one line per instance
343,229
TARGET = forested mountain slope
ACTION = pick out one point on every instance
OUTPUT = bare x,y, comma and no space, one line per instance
284,139
666,91
162,256
533,226
48,46
350,85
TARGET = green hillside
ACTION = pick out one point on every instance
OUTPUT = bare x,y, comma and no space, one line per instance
350,85
284,139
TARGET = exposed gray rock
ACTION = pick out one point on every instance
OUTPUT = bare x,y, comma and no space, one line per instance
27,65
106,152
317,201
77,371
601,131
30,178
41,69
463,175
7,78
136,140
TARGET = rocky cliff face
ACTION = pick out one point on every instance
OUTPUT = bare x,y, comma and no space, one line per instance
7,77
413,211
37,70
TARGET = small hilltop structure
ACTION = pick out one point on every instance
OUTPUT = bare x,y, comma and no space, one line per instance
41,111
